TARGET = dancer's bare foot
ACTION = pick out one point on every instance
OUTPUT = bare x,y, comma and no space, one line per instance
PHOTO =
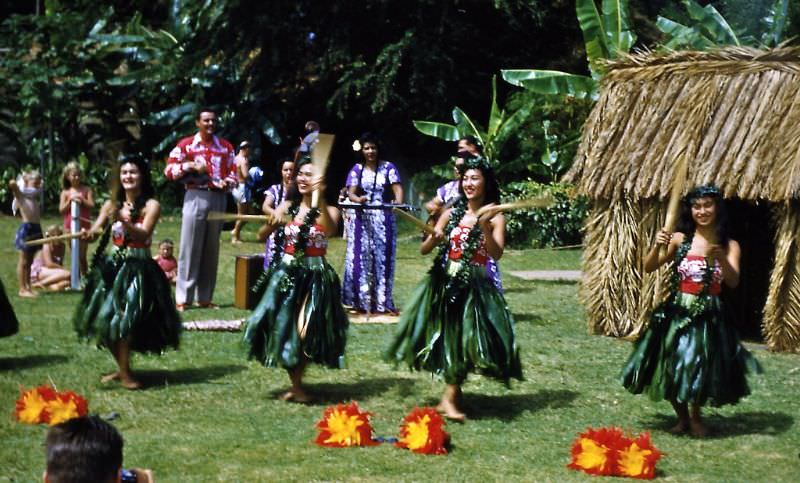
130,383
295,395
698,429
679,428
30,294
450,411
114,376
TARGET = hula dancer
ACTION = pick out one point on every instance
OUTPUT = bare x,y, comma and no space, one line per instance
9,325
300,317
127,303
688,355
457,321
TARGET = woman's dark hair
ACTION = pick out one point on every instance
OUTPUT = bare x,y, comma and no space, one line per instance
491,190
469,138
369,137
686,223
293,194
146,191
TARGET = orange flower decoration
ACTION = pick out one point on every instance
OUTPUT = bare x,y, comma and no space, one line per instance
595,451
639,459
44,404
344,425
422,432
608,451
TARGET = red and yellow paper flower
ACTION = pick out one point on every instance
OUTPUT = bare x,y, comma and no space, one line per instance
44,404
422,432
608,451
344,425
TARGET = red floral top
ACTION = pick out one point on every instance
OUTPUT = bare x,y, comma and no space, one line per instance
317,245
692,270
118,235
458,238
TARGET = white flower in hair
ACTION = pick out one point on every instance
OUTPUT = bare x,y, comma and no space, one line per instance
356,145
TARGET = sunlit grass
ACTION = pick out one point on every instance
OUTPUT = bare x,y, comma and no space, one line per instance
208,414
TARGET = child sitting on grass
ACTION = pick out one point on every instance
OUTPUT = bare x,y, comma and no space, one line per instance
26,200
47,270
166,261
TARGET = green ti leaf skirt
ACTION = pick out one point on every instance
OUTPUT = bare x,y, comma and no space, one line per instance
689,359
451,334
299,317
127,297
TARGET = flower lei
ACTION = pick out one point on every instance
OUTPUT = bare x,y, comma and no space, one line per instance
461,278
702,300
299,246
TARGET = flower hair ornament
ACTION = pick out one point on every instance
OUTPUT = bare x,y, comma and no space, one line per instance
476,162
704,191
356,145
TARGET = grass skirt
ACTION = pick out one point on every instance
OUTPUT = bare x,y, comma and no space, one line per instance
451,333
9,325
695,360
306,292
128,297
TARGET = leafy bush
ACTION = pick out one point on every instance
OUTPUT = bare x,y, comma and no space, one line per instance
558,225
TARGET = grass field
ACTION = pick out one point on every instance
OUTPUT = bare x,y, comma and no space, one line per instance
209,414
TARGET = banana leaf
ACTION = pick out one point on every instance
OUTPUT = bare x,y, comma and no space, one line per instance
775,21
496,115
593,33
712,22
619,36
552,82
440,130
466,126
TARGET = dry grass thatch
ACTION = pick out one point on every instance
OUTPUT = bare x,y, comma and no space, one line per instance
734,112
781,323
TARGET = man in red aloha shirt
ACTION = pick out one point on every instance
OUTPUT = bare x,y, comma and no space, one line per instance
204,164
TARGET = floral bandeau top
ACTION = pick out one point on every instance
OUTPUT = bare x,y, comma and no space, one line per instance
118,235
317,245
692,270
458,240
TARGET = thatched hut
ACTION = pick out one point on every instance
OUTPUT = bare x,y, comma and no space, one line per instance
736,114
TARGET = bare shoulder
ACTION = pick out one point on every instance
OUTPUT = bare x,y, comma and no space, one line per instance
152,204
733,246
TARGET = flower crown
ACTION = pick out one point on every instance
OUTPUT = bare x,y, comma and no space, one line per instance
476,162
704,191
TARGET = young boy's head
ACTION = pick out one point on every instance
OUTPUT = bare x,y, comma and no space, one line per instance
165,248
83,449
32,179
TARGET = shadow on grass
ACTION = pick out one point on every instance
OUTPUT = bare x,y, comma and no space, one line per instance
511,406
334,393
739,424
26,362
529,318
190,375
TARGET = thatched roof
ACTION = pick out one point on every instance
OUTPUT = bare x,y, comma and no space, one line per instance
734,112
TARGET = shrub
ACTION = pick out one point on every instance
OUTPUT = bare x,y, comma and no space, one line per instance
558,225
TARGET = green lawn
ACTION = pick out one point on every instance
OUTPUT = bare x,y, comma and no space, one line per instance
209,414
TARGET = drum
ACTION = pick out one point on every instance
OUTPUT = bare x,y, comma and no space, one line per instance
247,270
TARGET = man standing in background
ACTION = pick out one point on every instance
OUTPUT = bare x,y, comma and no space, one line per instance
204,163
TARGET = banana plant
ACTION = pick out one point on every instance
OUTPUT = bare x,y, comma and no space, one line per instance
607,35
499,128
710,29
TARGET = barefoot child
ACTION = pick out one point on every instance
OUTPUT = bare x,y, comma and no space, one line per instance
75,190
26,199
165,260
47,270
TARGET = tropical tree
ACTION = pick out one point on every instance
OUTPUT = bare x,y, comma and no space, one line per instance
607,35
500,126
710,29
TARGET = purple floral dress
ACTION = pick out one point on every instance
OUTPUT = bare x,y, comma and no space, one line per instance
278,195
371,243
449,193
